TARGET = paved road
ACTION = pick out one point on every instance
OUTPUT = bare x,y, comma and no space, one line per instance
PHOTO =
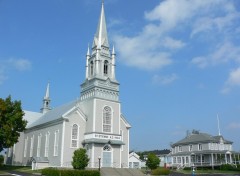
14,173
179,174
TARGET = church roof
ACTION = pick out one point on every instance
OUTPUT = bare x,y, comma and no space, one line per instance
54,114
31,117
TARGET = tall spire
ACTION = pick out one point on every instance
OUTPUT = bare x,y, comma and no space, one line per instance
101,37
219,132
46,101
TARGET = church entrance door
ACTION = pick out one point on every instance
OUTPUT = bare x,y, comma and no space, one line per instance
107,156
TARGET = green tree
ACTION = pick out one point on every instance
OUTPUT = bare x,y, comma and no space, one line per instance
80,159
11,122
152,161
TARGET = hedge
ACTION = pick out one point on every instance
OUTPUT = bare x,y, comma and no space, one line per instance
69,172
160,171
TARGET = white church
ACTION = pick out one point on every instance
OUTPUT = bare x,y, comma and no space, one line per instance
94,122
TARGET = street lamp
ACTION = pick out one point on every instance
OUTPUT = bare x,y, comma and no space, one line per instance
99,163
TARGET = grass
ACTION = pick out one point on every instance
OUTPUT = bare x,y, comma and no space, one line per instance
25,169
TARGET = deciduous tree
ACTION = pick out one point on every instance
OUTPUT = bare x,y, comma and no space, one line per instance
11,122
152,161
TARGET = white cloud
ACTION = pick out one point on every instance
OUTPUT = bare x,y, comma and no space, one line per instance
232,81
20,64
153,47
222,54
134,52
3,77
12,64
234,125
164,80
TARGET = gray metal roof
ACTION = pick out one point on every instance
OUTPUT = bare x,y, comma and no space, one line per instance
31,117
54,114
200,138
203,152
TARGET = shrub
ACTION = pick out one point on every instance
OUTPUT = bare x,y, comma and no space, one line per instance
228,167
80,159
69,172
160,171
152,161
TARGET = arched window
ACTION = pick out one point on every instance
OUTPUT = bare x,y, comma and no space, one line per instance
91,68
107,119
74,142
105,67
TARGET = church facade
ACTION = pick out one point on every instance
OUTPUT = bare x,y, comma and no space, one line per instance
94,122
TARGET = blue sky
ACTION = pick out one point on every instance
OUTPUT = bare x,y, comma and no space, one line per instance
178,61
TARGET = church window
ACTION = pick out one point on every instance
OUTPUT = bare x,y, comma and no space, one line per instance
46,144
105,67
91,68
39,145
74,136
25,147
107,118
56,139
31,146
107,148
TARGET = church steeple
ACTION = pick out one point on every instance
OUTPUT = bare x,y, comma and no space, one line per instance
100,79
101,37
46,101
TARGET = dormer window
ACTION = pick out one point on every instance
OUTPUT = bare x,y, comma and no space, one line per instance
190,147
199,147
105,67
180,148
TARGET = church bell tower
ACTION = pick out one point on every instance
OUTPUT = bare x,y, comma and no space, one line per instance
106,132
100,66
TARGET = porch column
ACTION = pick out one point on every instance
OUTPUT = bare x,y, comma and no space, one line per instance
201,159
212,161
230,158
225,158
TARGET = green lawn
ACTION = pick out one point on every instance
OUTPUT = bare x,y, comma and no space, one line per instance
26,169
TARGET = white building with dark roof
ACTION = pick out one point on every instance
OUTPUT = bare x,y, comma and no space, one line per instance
202,149
94,122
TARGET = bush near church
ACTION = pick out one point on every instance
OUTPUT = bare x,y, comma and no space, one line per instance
80,159
69,172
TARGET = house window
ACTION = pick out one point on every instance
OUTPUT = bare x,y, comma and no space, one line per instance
190,147
107,117
56,139
180,148
31,146
174,159
39,145
25,147
105,67
46,144
200,147
74,136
